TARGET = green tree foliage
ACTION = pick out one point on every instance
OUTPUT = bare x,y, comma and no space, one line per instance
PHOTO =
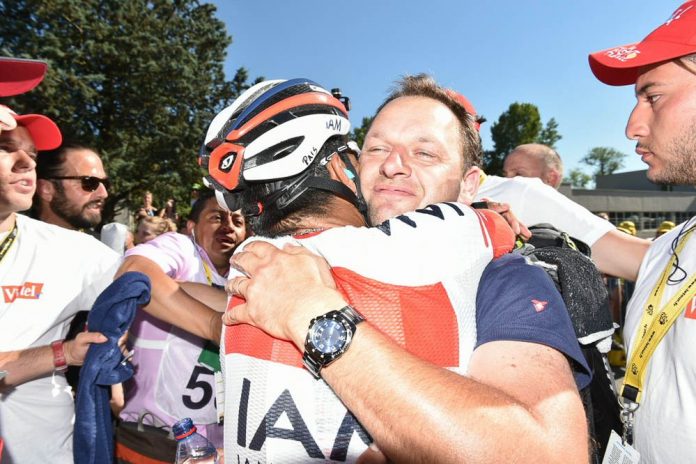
520,123
358,133
549,134
578,178
138,80
604,160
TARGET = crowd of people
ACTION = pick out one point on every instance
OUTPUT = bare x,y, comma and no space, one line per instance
325,302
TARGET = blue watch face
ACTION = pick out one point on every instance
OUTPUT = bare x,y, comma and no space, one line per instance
329,336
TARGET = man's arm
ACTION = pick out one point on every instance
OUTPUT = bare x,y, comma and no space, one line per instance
619,254
32,363
533,202
518,404
170,303
214,297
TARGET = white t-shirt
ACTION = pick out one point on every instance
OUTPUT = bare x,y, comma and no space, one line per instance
49,274
534,202
665,427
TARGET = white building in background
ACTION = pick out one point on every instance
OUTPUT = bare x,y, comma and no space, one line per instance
631,196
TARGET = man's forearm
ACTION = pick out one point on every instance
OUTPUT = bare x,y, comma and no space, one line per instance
619,254
170,303
32,363
418,412
25,365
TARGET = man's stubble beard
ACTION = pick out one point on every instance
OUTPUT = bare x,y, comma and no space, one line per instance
680,169
64,209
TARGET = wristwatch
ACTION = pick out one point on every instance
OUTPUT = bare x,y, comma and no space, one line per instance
329,337
59,363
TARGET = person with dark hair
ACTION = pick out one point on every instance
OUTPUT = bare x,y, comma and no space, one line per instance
411,324
71,187
660,332
170,381
47,274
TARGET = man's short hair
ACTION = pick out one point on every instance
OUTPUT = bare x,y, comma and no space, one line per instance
50,163
549,157
689,61
422,85
199,205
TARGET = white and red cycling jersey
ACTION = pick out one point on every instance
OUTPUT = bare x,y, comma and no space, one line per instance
413,277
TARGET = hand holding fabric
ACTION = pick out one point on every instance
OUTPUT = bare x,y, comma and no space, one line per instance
75,350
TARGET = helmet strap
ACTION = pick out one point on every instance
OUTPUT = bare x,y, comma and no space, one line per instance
337,188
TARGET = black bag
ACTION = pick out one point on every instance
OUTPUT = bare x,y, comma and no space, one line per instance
567,261
138,443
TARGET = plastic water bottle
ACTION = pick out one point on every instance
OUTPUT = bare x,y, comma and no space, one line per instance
192,447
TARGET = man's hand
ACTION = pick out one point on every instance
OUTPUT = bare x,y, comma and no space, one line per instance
515,224
283,311
7,121
76,350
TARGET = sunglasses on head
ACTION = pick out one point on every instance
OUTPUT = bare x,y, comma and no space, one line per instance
89,183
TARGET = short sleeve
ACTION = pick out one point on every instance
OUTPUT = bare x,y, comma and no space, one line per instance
170,251
517,301
534,202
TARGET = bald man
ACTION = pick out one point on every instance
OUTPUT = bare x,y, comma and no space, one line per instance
535,160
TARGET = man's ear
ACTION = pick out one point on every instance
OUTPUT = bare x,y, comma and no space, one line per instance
189,227
553,178
45,189
338,171
469,185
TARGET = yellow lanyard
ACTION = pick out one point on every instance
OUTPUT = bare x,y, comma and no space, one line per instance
9,240
655,324
208,272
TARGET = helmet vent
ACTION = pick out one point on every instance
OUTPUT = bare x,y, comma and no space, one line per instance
280,96
274,153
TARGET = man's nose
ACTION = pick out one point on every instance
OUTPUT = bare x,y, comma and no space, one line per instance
101,191
396,163
637,125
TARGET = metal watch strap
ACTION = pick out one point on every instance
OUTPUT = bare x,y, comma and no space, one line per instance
314,362
351,314
59,362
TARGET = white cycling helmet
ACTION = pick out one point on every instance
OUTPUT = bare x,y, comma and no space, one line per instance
272,134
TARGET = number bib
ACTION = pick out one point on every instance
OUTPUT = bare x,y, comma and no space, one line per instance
169,382
185,388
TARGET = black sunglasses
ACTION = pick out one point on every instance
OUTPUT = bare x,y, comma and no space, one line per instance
89,183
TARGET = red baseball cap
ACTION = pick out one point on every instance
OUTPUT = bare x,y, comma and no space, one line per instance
43,131
19,75
468,106
673,39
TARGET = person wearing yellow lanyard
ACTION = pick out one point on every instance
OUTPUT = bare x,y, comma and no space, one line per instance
659,390
42,285
174,369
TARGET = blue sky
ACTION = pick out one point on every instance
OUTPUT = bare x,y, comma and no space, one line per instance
494,52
